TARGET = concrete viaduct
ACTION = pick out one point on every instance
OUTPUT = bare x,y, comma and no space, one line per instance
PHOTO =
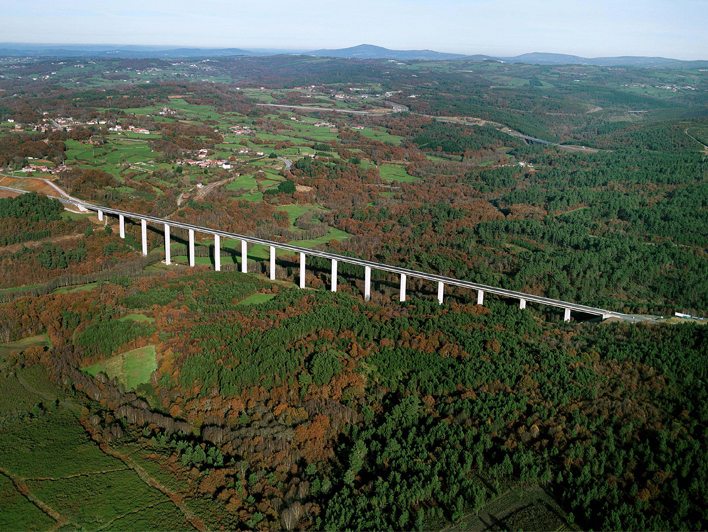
404,273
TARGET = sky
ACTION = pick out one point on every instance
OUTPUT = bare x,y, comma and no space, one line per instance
588,28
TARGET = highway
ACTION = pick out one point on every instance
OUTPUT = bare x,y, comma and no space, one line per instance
288,163
396,108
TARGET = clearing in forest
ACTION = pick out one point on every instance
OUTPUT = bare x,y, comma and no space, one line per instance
131,369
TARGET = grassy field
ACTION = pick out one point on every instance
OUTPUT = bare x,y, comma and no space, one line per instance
138,318
131,369
257,299
390,172
295,211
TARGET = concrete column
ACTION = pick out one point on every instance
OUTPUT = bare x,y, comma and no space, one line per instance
302,270
191,248
272,263
244,256
566,316
167,245
217,253
367,283
143,223
480,297
121,225
100,216
402,296
334,275
522,304
441,288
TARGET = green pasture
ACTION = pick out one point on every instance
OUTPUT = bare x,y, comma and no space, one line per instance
138,318
246,182
391,172
295,211
131,369
257,299
381,135
200,111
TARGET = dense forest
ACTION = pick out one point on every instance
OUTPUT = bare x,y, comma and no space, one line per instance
321,411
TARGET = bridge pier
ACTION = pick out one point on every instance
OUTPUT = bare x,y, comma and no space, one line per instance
143,223
217,253
191,248
167,245
100,215
244,256
367,283
402,296
121,225
302,270
566,315
441,289
334,275
522,304
272,263
480,297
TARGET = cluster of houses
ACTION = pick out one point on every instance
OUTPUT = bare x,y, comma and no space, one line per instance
241,130
43,168
19,128
131,129
324,124
206,163
203,162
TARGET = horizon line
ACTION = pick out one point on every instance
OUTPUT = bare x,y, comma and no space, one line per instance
304,51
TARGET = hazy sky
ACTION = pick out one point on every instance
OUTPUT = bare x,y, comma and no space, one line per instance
590,28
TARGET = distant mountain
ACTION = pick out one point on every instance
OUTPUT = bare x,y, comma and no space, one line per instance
369,51
363,51
121,51
538,58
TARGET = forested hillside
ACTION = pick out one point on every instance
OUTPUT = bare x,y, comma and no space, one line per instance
318,411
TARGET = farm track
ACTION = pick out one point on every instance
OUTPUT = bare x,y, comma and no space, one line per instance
145,477
89,474
20,486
